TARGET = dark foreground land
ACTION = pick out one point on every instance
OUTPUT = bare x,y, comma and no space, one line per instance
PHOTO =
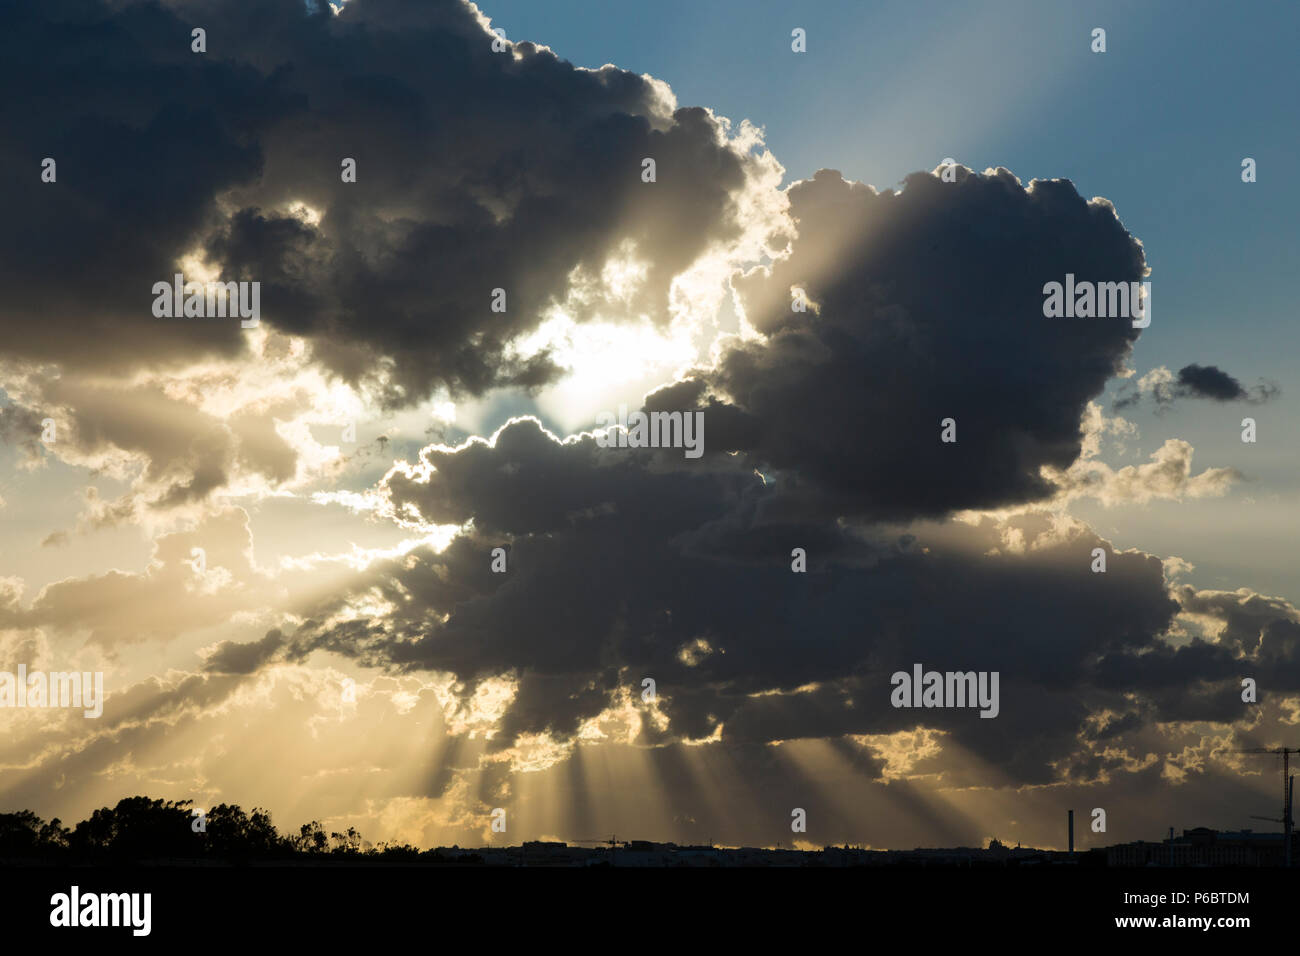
226,875
507,908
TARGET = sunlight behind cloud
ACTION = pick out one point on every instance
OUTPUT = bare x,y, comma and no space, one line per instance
607,363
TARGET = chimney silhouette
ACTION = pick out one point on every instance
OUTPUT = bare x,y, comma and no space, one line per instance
1071,824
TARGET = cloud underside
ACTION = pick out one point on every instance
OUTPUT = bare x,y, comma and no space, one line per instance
823,428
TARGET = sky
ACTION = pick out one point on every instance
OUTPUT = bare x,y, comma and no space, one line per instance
345,644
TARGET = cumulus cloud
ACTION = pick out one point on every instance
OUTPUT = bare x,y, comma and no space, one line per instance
930,307
181,441
179,591
1193,381
822,433
1166,477
642,580
528,180
232,657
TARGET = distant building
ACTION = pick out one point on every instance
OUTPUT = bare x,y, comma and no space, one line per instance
1202,846
551,853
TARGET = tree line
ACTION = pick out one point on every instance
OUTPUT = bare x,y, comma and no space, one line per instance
139,829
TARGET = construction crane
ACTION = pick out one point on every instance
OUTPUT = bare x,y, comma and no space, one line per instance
1288,792
613,843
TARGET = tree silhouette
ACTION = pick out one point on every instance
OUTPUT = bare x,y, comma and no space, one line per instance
24,834
311,838
233,834
139,829
144,830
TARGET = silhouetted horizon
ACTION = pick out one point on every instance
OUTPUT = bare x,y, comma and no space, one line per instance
142,829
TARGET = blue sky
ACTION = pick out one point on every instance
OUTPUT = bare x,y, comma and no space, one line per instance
1158,124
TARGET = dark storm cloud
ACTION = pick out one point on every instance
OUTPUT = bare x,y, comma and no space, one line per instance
479,170
145,134
1207,381
627,563
232,657
1255,628
1197,381
476,170
843,404
597,598
528,481
928,305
